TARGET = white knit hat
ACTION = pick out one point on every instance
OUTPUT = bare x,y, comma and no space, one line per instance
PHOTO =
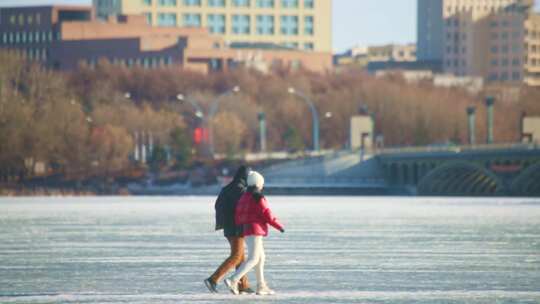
255,179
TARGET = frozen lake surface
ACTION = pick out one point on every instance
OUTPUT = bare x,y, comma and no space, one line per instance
335,250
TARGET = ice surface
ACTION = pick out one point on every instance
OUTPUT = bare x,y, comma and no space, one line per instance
335,250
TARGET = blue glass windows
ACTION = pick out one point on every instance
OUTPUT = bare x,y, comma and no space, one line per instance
192,20
265,24
265,3
289,25
289,3
241,24
192,2
167,2
241,3
166,19
216,3
216,23
308,25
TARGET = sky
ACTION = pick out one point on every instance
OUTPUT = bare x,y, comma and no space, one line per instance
355,22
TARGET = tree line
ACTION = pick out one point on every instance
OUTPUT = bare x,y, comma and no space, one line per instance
84,122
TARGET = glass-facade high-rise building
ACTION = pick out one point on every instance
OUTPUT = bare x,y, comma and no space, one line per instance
429,30
303,24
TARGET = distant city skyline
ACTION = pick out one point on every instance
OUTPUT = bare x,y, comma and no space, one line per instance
365,22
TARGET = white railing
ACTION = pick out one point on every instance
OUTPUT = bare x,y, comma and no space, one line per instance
291,182
458,149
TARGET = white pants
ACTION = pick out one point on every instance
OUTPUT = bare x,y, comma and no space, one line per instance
255,258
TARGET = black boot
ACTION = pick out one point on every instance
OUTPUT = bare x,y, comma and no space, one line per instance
211,285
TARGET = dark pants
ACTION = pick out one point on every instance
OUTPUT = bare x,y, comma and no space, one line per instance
234,260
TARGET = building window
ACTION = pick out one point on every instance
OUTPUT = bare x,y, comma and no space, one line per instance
308,25
494,49
516,75
516,62
167,2
265,3
504,76
148,18
166,19
309,46
494,62
309,3
192,20
265,25
17,38
241,3
291,45
289,3
241,24
192,2
216,23
4,38
11,38
23,37
289,25
216,3
504,62
493,77
147,2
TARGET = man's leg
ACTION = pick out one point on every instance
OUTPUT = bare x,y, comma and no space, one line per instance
235,258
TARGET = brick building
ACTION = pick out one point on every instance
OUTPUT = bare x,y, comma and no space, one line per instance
63,37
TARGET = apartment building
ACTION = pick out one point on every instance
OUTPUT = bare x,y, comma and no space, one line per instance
299,24
531,67
480,38
62,37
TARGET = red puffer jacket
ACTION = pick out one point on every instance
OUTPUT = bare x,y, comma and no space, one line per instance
255,216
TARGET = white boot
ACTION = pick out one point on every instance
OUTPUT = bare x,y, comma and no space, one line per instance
264,290
233,286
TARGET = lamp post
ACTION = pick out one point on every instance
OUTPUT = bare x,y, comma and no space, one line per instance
314,115
490,101
213,110
198,110
471,114
261,116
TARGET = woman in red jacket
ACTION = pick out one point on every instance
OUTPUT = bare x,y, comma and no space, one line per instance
253,213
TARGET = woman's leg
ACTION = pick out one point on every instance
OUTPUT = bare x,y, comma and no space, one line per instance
260,266
252,260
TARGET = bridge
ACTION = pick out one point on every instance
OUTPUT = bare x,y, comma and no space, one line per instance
480,170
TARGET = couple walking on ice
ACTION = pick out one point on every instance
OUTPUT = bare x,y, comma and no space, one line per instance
243,213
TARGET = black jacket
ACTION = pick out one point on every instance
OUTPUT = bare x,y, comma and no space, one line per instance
225,205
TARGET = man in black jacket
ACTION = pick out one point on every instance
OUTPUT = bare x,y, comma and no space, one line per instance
225,208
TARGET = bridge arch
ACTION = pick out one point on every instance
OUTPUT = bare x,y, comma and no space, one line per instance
461,178
528,182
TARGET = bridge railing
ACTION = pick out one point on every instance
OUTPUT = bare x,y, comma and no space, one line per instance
324,181
458,149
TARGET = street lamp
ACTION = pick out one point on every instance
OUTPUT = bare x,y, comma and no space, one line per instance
198,110
314,114
213,110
